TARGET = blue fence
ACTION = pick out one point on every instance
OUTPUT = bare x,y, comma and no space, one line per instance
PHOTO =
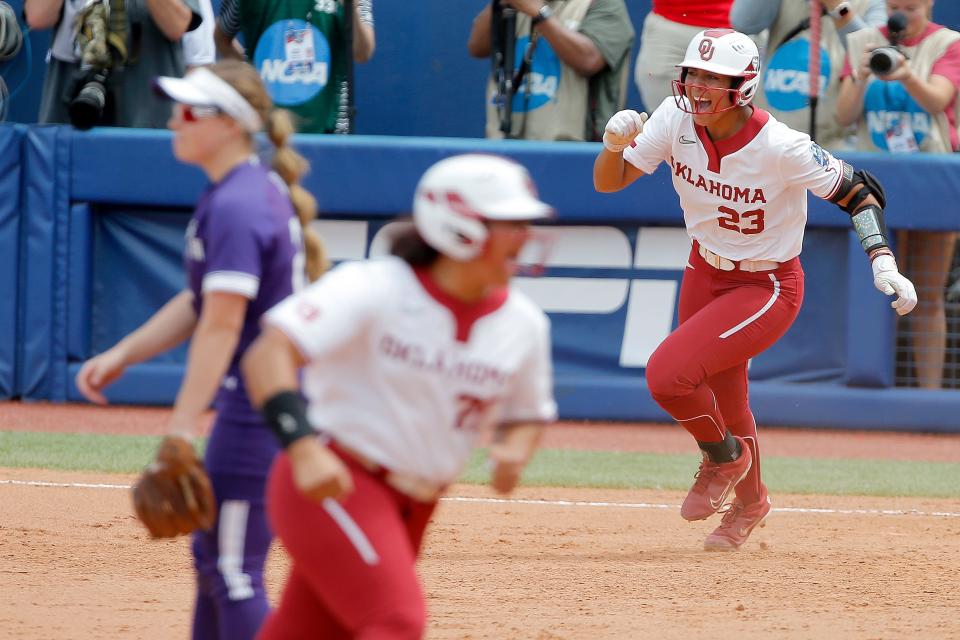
91,227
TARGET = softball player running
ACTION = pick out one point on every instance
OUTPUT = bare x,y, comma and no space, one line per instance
407,359
244,253
742,179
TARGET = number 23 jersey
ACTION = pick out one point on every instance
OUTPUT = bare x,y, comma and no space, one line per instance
744,197
408,376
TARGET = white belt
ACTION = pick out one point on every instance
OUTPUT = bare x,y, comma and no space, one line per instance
725,264
411,486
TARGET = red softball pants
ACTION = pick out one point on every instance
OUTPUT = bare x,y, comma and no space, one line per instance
353,569
699,373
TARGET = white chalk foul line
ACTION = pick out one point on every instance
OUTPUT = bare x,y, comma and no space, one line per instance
562,503
75,485
649,505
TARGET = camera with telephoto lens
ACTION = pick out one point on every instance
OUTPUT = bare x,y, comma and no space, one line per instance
884,60
90,100
102,40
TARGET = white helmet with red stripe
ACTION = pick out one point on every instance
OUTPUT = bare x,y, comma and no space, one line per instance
456,195
724,52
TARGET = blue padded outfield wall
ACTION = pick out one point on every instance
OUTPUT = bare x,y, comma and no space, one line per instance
94,248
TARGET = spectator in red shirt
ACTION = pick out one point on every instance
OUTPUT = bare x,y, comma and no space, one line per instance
911,108
667,29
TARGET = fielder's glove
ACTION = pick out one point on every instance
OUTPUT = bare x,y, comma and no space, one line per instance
622,128
173,496
888,280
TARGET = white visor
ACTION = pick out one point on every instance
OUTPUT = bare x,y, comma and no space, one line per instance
203,88
518,208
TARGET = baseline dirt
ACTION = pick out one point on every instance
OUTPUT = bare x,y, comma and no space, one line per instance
75,564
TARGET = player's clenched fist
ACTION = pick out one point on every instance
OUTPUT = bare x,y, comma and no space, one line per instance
622,128
888,279
317,472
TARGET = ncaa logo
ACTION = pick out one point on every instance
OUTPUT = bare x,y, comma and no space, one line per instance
293,58
541,82
894,119
706,49
786,83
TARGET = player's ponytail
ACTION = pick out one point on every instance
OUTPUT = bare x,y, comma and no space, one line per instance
291,166
287,163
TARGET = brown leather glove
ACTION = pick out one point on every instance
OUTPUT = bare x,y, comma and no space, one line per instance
173,496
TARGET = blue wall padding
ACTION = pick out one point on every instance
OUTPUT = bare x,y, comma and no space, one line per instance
80,262
150,383
775,404
11,139
137,268
99,234
43,252
375,176
869,320
814,348
113,167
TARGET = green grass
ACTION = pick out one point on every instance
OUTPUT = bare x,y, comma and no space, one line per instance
551,467
76,452
782,475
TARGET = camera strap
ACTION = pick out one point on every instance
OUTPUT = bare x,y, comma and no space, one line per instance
527,59
793,33
522,71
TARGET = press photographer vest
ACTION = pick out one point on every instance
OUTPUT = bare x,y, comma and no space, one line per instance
299,49
785,87
878,124
557,105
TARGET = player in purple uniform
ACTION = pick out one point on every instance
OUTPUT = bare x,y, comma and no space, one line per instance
244,253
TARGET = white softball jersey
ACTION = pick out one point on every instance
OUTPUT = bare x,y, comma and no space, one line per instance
408,376
743,198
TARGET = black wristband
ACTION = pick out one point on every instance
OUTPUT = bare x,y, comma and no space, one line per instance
286,413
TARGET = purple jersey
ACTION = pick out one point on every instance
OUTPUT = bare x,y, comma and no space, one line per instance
244,238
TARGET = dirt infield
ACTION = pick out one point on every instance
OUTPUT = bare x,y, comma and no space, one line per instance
557,563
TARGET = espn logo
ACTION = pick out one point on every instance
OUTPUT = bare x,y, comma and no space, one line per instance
650,301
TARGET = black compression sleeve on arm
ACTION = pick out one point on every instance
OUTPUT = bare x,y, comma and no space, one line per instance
286,413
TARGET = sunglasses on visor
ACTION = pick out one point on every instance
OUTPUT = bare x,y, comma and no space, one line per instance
193,113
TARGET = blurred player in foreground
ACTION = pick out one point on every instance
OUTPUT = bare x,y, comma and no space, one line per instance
407,359
742,178
244,253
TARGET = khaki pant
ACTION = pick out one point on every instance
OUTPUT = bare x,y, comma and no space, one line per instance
662,46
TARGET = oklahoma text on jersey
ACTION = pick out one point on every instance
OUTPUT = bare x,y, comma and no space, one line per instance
440,360
747,195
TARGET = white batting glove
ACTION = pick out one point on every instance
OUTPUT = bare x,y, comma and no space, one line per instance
622,128
888,280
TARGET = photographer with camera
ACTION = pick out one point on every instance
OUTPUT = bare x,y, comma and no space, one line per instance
562,66
103,56
785,89
903,95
